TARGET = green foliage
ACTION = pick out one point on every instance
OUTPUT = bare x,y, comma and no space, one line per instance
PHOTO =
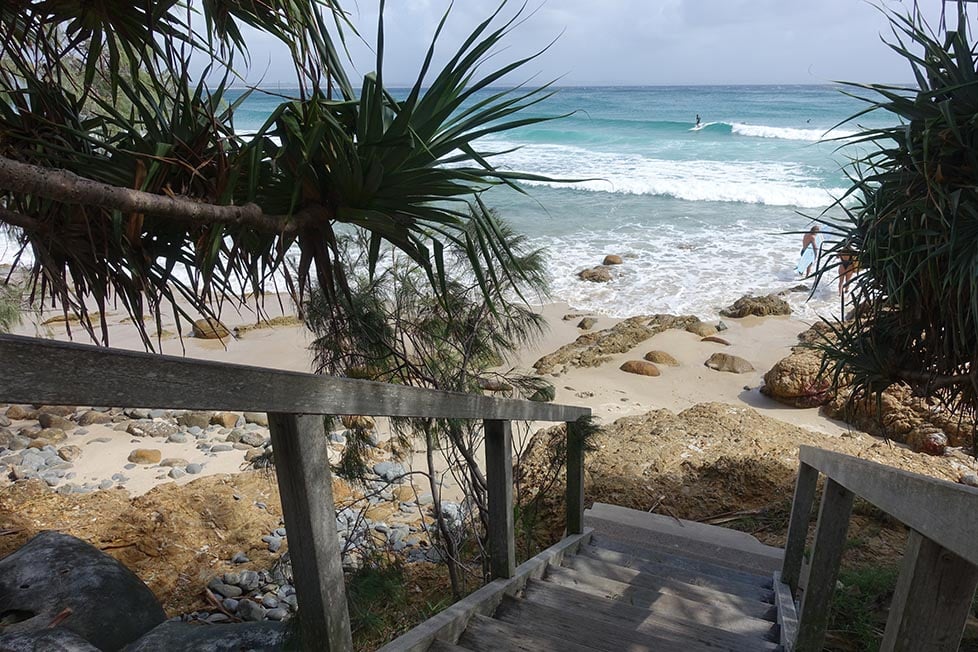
9,306
103,90
858,609
912,226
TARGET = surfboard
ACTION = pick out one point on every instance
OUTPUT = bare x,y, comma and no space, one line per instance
699,126
807,258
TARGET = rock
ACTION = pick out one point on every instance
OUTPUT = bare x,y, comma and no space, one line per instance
702,329
221,448
927,439
53,573
240,558
21,413
252,438
594,349
488,385
145,456
58,639
661,357
600,274
177,438
146,428
351,422
612,259
259,418
274,544
224,590
730,363
390,471
253,454
250,580
176,473
105,484
174,461
251,611
640,367
795,380
969,478
48,420
93,417
587,323
174,635
199,419
716,340
771,304
279,613
4,421
225,419
69,453
721,326
269,601
210,329
53,435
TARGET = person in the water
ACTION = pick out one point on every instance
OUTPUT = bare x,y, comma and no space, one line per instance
697,119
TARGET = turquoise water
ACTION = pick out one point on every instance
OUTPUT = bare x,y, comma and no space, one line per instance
701,216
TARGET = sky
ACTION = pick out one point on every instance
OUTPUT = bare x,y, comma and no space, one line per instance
635,42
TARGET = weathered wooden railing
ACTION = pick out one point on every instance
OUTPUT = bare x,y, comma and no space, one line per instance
939,573
57,373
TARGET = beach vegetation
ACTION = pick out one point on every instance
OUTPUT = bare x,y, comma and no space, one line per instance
10,300
911,224
122,172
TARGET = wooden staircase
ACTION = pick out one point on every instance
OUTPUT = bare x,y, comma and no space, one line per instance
637,582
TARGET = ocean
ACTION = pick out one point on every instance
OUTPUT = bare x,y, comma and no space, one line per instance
700,217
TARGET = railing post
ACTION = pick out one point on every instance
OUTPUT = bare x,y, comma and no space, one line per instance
306,488
575,478
801,512
932,599
830,541
499,478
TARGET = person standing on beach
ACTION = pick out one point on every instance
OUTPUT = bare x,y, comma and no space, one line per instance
812,241
847,267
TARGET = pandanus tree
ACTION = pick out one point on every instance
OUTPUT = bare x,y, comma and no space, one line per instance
912,225
122,174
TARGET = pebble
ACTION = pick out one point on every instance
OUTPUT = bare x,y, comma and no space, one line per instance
274,543
277,614
177,438
261,505
280,532
225,590
218,618
251,611
250,580
129,467
269,601
221,448
194,469
105,484
176,473
240,558
232,578
230,604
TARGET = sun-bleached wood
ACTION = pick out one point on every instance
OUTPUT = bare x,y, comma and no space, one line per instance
801,511
499,490
306,489
60,373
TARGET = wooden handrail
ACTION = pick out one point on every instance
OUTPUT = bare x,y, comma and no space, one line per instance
940,568
44,371
59,373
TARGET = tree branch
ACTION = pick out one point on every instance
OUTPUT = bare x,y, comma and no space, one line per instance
69,188
17,219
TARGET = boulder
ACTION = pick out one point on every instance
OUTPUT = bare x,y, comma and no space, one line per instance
196,418
21,413
58,410
210,329
48,420
612,259
587,323
599,274
173,635
146,456
58,639
746,305
51,435
147,428
795,380
927,439
91,417
715,340
640,367
661,357
257,418
702,329
55,576
729,363
225,419
69,453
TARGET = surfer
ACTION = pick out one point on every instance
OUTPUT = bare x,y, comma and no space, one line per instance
697,120
810,245
847,267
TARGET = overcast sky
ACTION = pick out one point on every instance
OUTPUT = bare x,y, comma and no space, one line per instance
638,42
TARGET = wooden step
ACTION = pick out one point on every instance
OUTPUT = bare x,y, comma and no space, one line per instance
485,634
663,612
613,635
641,596
703,540
650,579
682,559
442,646
754,590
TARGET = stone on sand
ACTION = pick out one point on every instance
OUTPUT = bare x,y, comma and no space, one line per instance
640,367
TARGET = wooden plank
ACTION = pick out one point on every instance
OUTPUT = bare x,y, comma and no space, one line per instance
306,489
830,542
909,497
442,646
663,607
490,635
665,583
726,584
499,490
449,624
62,373
787,613
932,599
801,512
611,635
575,479
690,563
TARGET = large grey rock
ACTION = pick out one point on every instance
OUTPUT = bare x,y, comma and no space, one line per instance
173,635
58,639
147,428
55,573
